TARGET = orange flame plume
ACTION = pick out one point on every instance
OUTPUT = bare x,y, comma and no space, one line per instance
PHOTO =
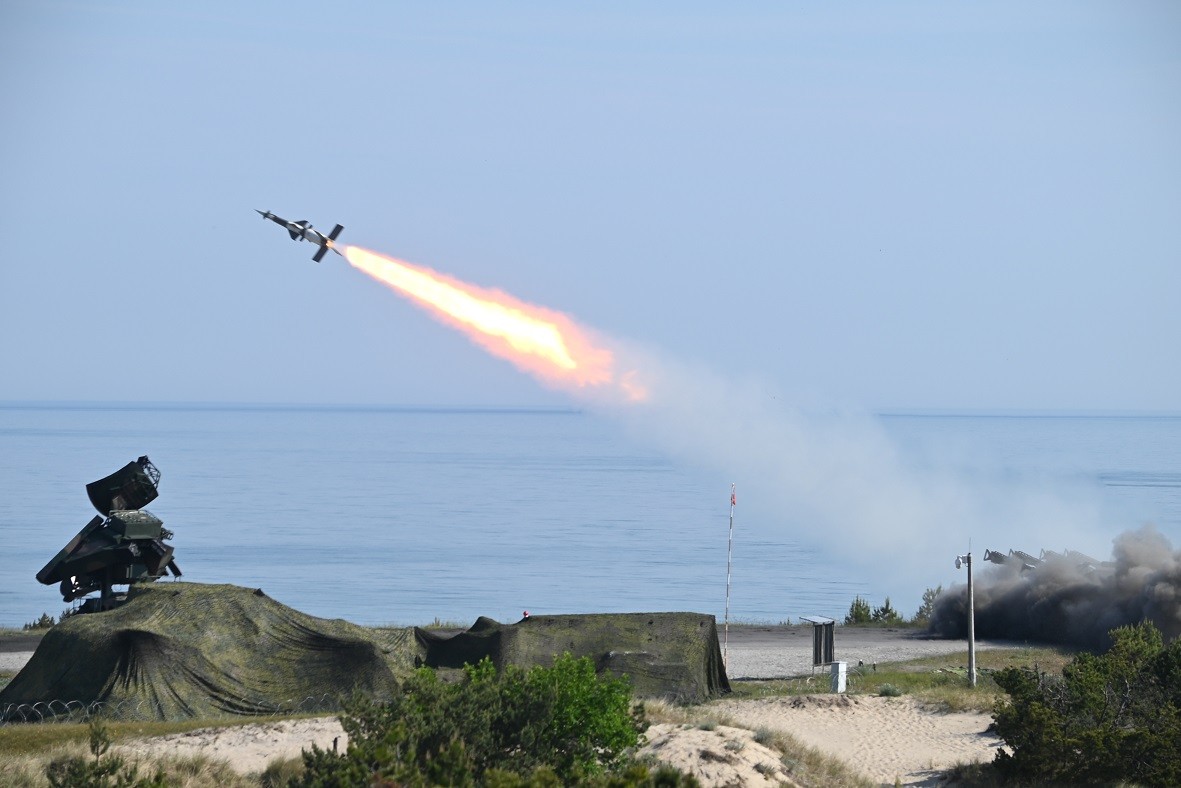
545,343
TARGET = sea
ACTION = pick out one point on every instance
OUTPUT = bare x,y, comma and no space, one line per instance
420,515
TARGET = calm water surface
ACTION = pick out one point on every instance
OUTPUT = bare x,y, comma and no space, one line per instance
407,515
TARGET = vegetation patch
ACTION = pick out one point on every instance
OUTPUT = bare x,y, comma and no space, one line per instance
1108,718
885,615
560,725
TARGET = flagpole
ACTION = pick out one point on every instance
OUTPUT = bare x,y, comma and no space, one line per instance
729,561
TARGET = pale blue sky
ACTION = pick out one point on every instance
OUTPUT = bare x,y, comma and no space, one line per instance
905,205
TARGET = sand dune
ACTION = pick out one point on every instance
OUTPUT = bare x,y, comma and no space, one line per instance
883,738
247,748
723,756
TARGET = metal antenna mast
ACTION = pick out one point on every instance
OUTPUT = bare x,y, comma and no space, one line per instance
729,561
960,560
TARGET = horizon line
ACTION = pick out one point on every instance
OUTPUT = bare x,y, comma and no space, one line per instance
891,412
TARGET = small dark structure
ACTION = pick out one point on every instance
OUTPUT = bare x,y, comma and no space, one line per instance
126,545
822,640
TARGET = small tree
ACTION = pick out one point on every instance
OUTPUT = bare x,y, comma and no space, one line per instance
886,614
45,622
859,612
927,609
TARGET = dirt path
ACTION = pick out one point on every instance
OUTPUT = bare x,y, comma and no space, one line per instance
883,738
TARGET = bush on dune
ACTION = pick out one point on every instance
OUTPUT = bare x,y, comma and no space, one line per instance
562,725
1110,717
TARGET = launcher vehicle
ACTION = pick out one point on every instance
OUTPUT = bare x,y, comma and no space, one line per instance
1071,558
126,545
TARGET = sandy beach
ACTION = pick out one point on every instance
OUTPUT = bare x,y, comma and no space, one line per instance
756,652
248,748
884,739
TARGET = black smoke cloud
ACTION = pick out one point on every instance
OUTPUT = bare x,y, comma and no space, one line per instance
1061,601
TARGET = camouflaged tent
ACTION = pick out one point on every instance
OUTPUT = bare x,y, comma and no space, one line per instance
186,650
669,655
179,651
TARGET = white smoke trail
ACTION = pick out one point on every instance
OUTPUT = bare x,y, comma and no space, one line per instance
837,480
834,479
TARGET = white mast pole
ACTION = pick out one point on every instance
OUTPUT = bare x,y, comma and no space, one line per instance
960,560
729,561
971,624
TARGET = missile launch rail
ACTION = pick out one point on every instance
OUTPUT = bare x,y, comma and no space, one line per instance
126,545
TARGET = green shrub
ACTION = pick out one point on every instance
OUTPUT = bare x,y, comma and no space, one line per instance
889,691
490,726
1109,718
637,775
859,612
886,614
764,736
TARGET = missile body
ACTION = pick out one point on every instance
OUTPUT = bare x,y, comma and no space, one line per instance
303,231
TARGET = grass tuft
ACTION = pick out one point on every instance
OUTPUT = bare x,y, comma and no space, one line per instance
32,738
766,769
439,623
29,770
195,771
281,771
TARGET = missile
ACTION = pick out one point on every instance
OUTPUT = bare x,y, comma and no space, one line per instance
303,231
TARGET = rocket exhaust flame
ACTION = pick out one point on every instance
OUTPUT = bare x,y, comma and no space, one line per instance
540,341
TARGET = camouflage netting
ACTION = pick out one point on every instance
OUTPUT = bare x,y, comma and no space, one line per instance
179,651
669,655
186,650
